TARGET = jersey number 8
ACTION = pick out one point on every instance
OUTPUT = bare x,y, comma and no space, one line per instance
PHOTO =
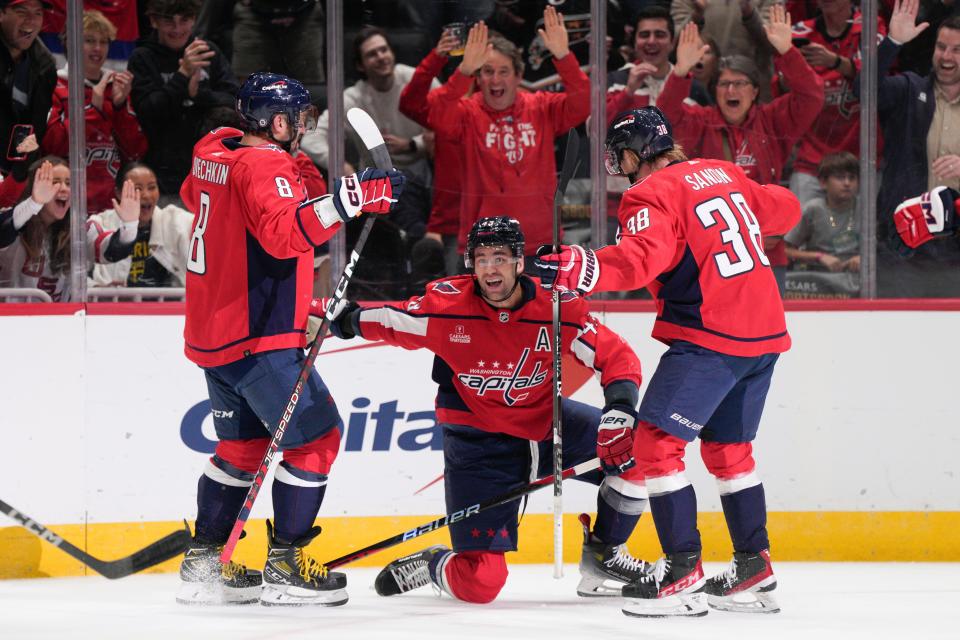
197,257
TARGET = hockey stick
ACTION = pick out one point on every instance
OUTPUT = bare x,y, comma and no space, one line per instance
165,548
463,514
571,159
363,124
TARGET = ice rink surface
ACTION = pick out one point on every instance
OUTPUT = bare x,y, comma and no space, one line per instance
818,601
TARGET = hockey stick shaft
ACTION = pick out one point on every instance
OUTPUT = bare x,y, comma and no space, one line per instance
165,548
463,514
378,151
570,161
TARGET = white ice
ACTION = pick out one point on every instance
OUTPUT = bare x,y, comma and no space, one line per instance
819,601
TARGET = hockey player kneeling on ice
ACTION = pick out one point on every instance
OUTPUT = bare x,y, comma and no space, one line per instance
491,335
719,310
250,273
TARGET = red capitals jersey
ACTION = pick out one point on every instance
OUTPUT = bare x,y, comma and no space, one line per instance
113,137
838,126
494,367
693,233
250,266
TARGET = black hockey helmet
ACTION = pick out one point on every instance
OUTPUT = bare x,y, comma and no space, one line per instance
499,231
264,95
645,131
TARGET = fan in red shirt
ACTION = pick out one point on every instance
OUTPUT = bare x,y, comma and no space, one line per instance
832,48
507,136
491,335
112,132
692,232
249,284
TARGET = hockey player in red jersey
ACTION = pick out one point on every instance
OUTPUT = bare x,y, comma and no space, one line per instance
249,284
490,332
692,232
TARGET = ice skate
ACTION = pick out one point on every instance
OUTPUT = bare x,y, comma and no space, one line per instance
745,586
407,573
605,568
206,580
291,577
672,588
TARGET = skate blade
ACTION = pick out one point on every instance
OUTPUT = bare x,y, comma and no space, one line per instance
685,605
279,596
745,602
592,587
212,594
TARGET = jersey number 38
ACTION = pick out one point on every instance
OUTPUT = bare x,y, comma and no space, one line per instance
735,236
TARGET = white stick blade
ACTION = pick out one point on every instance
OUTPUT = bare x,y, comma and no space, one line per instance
365,127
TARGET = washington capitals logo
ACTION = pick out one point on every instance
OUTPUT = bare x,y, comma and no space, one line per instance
507,380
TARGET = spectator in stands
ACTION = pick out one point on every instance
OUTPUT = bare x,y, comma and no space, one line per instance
162,244
121,14
444,223
113,133
703,73
282,36
177,81
27,77
35,234
919,116
506,138
916,55
736,27
378,93
757,137
833,50
827,236
639,83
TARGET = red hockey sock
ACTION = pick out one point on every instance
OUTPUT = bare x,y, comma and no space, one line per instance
475,576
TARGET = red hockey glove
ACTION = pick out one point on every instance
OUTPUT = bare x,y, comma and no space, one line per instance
574,268
615,439
340,322
370,191
929,215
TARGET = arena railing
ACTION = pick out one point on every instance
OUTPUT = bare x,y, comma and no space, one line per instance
136,294
8,294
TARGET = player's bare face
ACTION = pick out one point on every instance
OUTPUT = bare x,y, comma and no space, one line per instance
95,46
651,42
497,270
946,58
145,182
57,208
376,58
498,81
735,95
173,32
20,25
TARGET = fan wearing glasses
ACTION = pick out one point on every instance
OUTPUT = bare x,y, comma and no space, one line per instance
757,137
